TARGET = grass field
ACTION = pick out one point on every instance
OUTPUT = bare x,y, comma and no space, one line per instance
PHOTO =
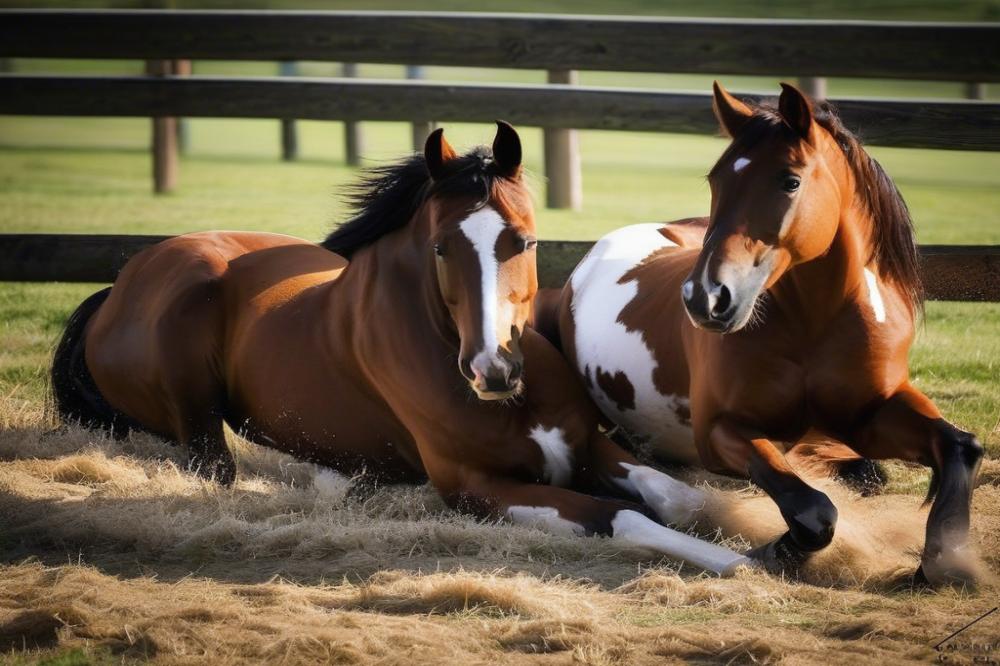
109,552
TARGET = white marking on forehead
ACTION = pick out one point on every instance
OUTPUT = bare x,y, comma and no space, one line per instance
740,164
602,341
635,529
558,457
546,518
482,228
875,296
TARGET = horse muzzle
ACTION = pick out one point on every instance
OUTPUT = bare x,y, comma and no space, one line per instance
494,379
711,306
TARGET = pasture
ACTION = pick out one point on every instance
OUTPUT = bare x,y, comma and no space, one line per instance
111,552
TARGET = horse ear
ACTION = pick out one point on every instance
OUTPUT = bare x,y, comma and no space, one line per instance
437,151
731,112
795,110
507,150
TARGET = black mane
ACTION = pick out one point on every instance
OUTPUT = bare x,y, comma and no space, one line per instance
894,245
387,197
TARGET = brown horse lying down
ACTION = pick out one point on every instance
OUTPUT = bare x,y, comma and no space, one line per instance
723,341
398,347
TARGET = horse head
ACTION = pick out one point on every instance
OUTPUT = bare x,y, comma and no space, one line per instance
484,256
777,196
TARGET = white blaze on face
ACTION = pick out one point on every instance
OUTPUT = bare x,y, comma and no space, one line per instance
558,457
483,228
740,164
603,342
875,296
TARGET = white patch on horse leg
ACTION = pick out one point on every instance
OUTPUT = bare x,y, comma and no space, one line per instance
558,456
635,529
875,296
674,501
482,228
546,518
740,164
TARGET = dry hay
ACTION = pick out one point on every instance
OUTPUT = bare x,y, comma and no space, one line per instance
111,548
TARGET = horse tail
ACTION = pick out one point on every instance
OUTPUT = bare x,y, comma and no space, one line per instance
76,396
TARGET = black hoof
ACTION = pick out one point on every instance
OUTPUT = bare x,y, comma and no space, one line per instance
939,574
781,556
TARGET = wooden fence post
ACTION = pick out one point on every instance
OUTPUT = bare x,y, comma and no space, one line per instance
975,91
165,160
183,68
562,158
420,129
353,139
814,86
289,134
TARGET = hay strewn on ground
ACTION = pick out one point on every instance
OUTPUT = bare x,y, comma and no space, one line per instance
111,548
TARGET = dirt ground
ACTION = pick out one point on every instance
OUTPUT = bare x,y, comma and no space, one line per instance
110,552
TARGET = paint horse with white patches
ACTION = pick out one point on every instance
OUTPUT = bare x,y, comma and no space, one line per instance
398,347
724,341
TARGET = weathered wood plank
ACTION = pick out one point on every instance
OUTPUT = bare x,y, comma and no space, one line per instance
962,125
951,272
946,51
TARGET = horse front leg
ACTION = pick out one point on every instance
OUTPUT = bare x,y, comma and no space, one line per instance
810,515
561,511
908,426
613,470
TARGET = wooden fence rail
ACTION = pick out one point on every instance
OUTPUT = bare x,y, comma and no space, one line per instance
955,273
790,48
961,124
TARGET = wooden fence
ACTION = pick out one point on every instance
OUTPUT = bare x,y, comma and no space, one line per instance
560,45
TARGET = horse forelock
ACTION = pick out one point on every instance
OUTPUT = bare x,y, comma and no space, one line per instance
387,197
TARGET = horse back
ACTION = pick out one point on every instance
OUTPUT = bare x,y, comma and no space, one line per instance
156,342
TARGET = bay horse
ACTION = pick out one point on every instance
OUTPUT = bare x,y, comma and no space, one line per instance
723,341
398,346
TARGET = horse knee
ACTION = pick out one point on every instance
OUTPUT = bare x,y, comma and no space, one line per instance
812,526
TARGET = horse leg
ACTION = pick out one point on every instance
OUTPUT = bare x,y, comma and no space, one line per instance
561,511
810,515
908,426
613,469
208,454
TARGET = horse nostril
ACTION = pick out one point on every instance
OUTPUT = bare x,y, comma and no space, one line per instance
687,291
465,365
722,301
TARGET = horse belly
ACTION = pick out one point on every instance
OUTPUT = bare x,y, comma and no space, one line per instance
292,387
637,377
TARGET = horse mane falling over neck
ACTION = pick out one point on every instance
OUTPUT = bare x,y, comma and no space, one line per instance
892,240
387,197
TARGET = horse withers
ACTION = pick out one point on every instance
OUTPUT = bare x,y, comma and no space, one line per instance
398,346
790,310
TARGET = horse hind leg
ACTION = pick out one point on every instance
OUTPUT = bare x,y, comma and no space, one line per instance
908,426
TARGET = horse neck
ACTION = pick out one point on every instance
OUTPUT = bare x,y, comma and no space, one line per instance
817,290
404,265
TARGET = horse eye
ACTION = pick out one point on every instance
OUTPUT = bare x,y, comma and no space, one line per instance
438,250
790,183
530,244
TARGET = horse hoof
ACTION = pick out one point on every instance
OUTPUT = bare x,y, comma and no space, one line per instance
954,571
781,556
